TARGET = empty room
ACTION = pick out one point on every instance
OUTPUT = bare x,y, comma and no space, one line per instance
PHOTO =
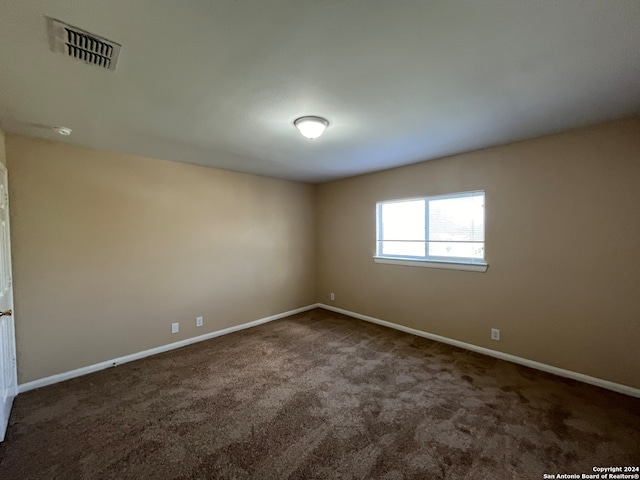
319,239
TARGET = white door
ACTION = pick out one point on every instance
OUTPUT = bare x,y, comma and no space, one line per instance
8,376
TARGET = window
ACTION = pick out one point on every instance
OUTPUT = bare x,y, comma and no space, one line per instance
446,231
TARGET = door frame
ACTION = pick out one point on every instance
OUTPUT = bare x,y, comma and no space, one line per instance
12,390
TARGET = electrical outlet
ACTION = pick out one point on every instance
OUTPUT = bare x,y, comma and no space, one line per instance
495,334
333,296
175,327
198,321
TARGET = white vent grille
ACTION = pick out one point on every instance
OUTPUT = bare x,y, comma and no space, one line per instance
85,46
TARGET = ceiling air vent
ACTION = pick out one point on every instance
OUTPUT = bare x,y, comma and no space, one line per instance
85,46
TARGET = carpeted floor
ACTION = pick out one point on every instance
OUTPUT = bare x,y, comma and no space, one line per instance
318,396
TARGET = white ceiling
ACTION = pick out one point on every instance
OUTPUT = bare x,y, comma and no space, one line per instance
219,83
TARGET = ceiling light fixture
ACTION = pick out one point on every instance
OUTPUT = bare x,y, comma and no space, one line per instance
63,130
311,127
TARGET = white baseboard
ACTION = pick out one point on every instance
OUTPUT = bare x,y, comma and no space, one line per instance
598,382
60,377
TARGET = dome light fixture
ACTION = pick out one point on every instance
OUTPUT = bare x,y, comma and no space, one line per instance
63,130
311,127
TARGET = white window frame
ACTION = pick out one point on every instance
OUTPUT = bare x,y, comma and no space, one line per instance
450,263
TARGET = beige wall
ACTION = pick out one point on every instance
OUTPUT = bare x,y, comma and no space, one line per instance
110,249
562,242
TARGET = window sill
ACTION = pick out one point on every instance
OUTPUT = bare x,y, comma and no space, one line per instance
469,267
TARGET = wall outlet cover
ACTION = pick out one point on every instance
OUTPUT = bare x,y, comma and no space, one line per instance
175,327
199,321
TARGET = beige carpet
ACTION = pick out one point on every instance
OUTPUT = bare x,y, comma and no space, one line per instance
318,396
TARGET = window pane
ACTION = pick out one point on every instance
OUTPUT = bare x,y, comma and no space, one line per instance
403,221
409,249
450,249
438,228
457,219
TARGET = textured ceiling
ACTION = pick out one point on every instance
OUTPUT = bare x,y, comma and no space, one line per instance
219,83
